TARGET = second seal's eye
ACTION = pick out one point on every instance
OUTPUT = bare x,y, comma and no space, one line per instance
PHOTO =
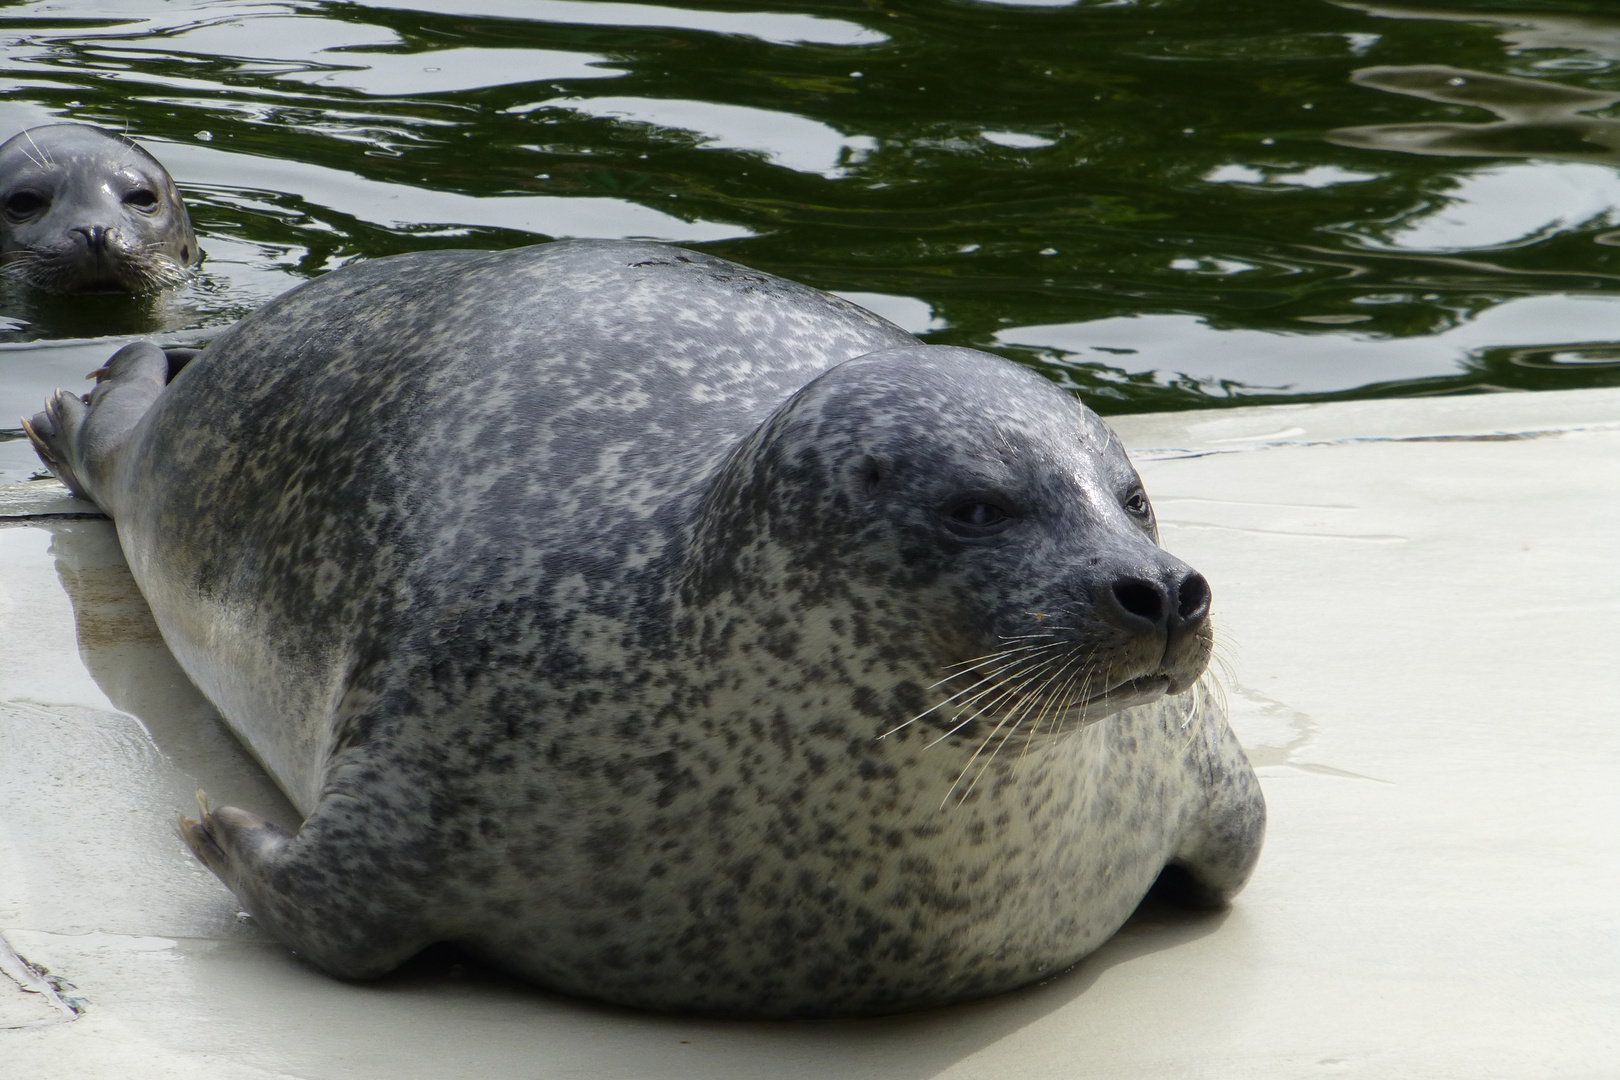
24,204
1137,504
142,199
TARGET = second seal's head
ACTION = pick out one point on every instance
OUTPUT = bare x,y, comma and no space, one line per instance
87,210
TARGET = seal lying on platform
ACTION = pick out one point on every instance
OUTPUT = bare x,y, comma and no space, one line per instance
86,210
670,633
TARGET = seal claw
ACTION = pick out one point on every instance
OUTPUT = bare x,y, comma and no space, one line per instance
199,837
40,446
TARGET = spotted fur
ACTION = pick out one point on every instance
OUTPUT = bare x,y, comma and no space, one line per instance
602,607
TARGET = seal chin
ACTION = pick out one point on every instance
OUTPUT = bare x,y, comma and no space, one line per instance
113,271
1128,694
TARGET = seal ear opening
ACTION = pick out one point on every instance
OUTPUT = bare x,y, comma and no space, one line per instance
872,475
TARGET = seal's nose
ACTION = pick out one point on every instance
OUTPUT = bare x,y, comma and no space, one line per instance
1168,606
95,237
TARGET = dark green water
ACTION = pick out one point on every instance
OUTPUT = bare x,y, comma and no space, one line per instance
1164,203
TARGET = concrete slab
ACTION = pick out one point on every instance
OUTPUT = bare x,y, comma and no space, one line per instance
1419,603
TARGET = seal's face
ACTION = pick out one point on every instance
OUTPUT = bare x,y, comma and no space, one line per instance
986,532
85,210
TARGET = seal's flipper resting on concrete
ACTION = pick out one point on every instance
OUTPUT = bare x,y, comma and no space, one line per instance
776,665
1222,838
81,439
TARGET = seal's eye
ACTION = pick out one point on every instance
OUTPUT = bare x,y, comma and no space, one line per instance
978,518
24,204
1137,504
142,199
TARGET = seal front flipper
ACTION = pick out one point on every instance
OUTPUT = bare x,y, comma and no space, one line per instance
1223,832
331,895
80,439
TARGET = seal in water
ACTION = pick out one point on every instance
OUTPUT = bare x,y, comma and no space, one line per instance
87,210
667,632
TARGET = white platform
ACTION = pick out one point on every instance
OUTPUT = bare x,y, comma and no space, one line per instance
1422,620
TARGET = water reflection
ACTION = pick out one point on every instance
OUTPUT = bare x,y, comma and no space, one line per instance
777,28
1538,119
1280,171
433,212
332,54
1524,31
1551,333
793,142
1506,206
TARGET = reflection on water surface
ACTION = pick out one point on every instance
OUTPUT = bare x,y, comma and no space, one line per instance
1164,203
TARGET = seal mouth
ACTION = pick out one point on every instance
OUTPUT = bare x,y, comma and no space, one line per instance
1038,713
1131,692
1039,709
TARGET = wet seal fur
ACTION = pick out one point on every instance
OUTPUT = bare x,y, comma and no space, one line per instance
83,209
670,633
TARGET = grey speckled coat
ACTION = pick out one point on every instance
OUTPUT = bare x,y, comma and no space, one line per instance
599,609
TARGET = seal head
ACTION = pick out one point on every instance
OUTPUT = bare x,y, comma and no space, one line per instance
83,209
990,524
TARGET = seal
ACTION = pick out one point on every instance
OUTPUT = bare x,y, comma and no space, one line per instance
83,209
667,632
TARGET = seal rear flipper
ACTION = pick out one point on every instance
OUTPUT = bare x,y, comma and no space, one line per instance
331,895
52,433
80,439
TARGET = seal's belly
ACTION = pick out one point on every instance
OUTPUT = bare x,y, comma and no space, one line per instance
281,697
775,887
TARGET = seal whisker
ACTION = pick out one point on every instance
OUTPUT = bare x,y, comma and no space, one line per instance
1085,694
1062,700
1209,695
985,662
1047,700
44,158
989,677
943,802
996,655
1027,699
1022,710
1009,689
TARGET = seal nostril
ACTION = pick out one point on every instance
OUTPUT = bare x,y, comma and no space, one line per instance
1141,599
1192,598
95,236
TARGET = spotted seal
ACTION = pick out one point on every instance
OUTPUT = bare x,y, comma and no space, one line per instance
667,632
83,209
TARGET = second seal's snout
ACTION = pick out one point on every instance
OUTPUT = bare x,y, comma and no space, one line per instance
95,237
